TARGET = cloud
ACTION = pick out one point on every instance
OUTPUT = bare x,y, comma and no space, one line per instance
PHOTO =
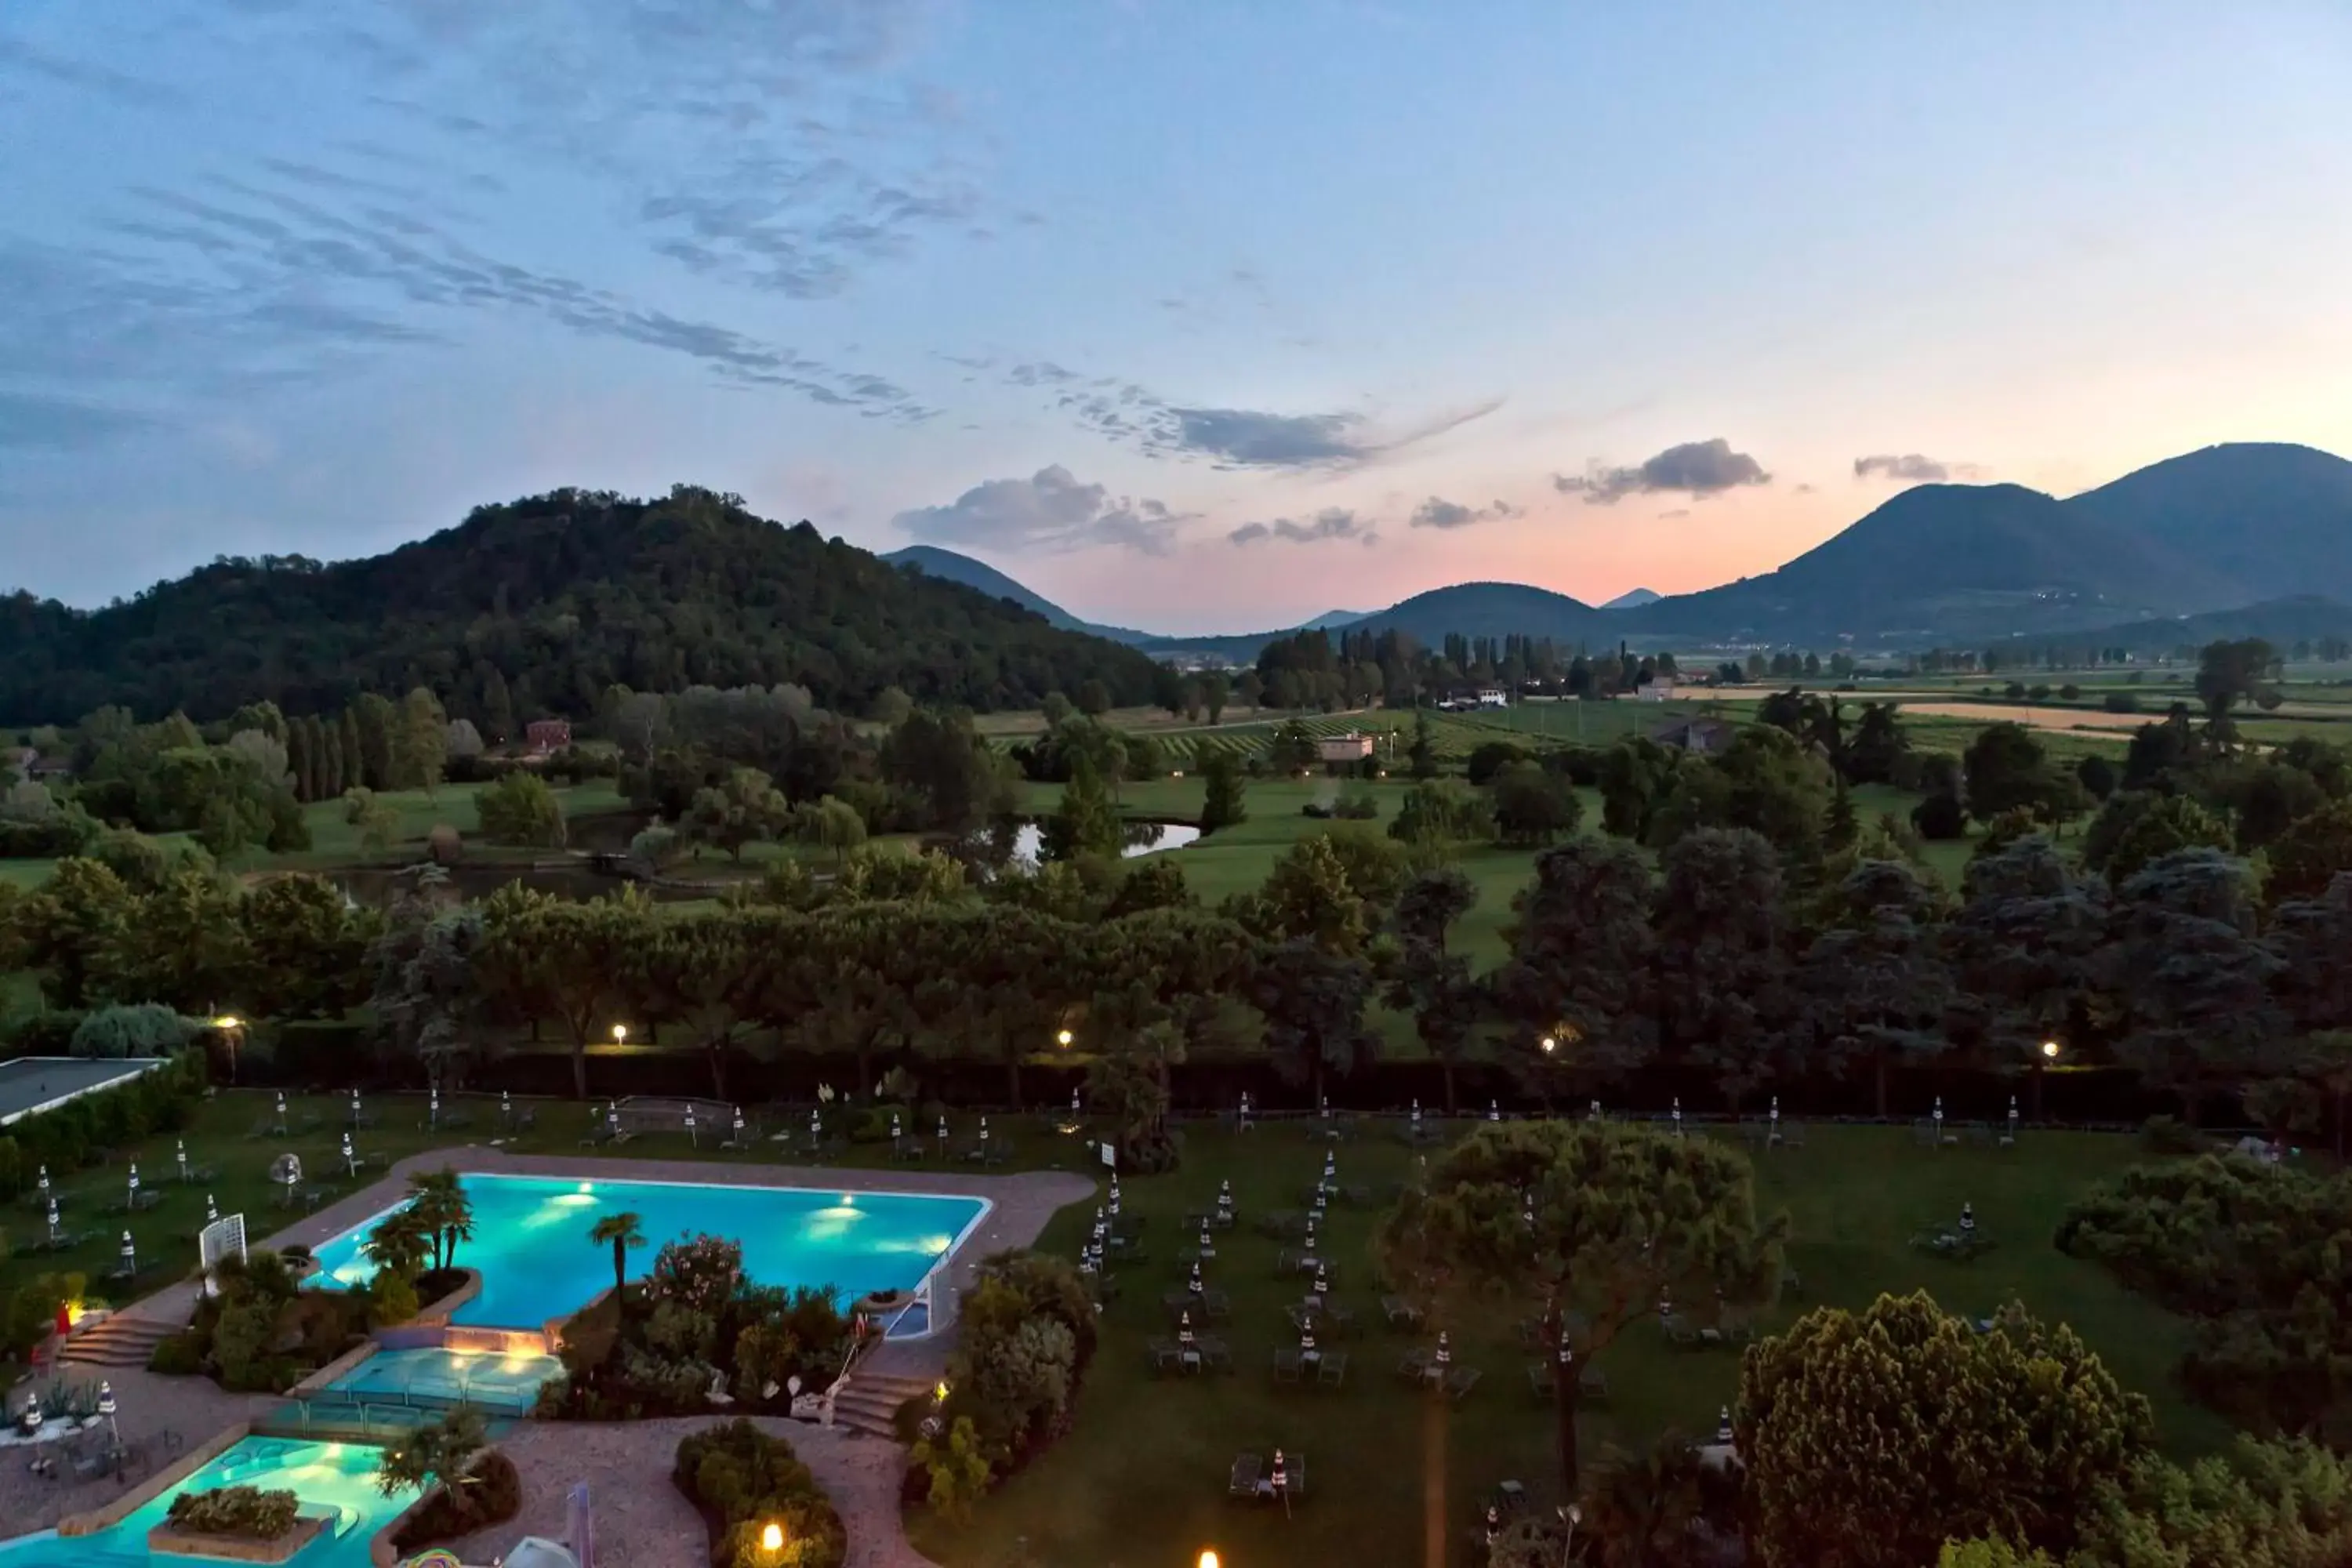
1909,466
1436,512
34,421
1332,522
1049,510
1698,468
16,54
1247,438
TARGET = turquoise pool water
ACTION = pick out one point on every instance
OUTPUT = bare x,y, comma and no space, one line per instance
530,1239
506,1384
336,1475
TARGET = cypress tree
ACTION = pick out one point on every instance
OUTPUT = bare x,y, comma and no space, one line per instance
354,769
299,761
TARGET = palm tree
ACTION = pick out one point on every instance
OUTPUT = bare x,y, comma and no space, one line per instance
444,1211
625,1231
399,1243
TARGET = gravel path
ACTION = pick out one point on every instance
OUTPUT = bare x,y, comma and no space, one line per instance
194,1407
643,1521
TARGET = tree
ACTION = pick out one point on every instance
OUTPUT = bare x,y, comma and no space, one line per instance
1876,982
620,1232
891,706
307,949
2137,826
698,969
2098,776
2309,855
148,1029
2229,673
747,807
1723,956
1439,814
2257,1505
1310,897
420,742
1215,692
1434,985
1870,1438
399,1245
1765,781
548,955
1221,805
831,823
1595,1221
2006,767
367,736
2023,947
1421,755
439,1453
1312,998
1533,805
1094,698
1085,823
2193,978
375,818
939,759
183,945
520,809
430,984
444,1211
1878,752
70,929
1582,965
1636,777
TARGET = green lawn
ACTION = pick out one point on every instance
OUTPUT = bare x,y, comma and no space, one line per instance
1141,1479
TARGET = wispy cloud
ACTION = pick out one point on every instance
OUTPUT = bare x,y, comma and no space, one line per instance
38,421
1911,468
1437,512
1332,522
20,56
1049,510
1698,469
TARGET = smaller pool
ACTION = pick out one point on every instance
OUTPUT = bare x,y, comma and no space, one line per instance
505,1383
340,1477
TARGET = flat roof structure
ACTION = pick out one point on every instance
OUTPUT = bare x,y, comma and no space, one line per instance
30,1085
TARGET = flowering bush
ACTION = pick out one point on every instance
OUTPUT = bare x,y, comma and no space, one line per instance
246,1511
702,1273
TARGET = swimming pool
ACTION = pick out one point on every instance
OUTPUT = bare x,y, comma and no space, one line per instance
506,1385
530,1239
336,1475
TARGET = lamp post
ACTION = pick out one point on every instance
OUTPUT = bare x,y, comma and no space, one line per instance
1064,1039
2048,1058
230,1025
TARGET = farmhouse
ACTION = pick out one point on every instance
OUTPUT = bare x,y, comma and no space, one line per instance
1348,748
545,737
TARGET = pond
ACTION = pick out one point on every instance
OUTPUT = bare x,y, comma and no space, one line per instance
1140,838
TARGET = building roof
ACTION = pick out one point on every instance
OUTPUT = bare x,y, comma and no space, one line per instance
1682,732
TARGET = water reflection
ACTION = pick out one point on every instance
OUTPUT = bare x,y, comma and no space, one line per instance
1010,843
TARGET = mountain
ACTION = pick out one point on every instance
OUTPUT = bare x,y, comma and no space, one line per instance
1632,599
1332,620
1950,561
541,605
1491,610
2280,622
949,566
2265,520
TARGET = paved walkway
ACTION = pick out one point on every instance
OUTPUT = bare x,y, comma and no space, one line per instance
627,1466
644,1522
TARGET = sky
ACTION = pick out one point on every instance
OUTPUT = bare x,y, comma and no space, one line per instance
1191,314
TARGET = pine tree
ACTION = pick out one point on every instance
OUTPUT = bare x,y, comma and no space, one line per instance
330,759
497,708
299,762
354,754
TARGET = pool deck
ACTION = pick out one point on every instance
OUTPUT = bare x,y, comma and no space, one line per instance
634,1458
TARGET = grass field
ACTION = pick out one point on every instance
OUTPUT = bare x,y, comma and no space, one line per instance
1141,1479
336,843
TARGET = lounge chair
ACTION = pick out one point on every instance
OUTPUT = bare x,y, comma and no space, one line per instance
1331,1370
1217,1305
1288,1365
1247,1472
1413,1364
1792,1135
1162,1352
1215,1354
1400,1314
1460,1381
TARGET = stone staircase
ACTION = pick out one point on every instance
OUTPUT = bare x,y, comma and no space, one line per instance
869,1399
118,1341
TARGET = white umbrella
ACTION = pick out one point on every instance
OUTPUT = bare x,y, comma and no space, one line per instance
181,1153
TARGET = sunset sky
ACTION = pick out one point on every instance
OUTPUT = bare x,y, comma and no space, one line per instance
1192,314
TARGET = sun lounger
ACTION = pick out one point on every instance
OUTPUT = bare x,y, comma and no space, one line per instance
1460,1381
1248,1471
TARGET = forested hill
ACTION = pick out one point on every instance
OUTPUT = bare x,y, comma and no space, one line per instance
550,600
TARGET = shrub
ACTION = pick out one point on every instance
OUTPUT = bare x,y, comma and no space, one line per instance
33,1308
956,1465
703,1272
740,1479
491,1493
148,1029
248,1512
2168,1136
241,1338
1940,816
181,1355
681,1331
391,1300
